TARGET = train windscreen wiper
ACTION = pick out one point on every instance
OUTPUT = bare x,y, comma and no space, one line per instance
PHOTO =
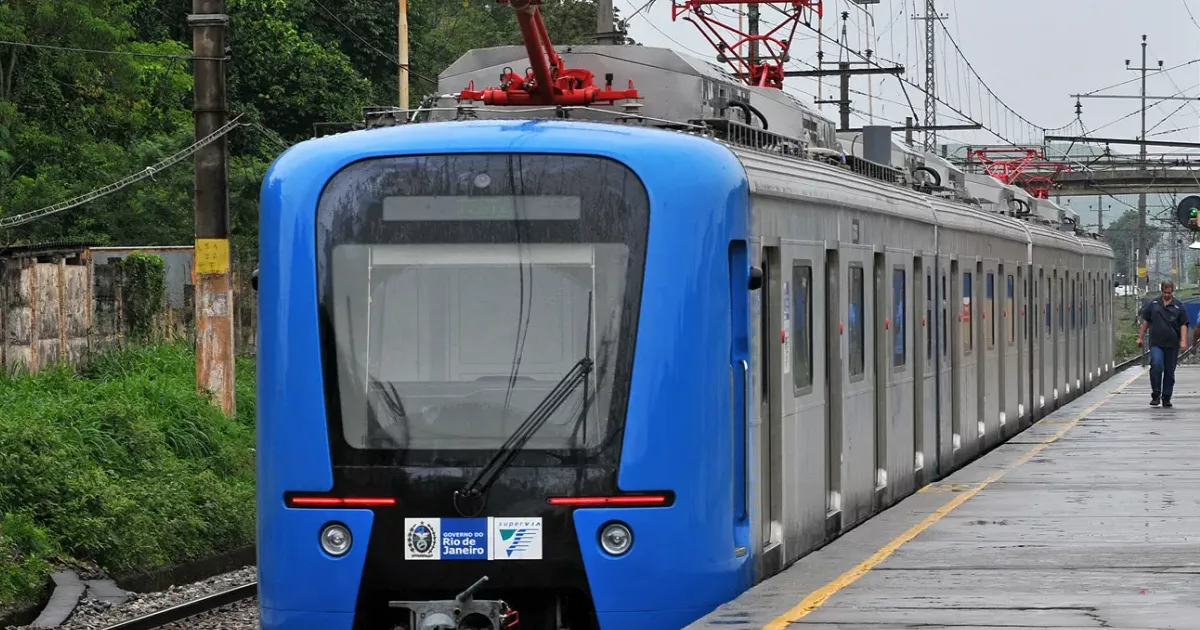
483,480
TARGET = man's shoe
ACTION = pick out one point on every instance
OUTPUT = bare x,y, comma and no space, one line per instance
1167,402
1153,401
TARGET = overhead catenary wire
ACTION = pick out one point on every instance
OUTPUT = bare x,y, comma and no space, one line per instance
120,53
149,171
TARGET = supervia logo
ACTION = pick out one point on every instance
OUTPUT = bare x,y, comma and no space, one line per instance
516,540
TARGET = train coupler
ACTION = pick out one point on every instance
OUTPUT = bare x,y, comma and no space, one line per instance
464,612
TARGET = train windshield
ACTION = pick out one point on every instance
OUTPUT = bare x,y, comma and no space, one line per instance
456,291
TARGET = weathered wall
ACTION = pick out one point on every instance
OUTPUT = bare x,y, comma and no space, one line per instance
64,309
47,311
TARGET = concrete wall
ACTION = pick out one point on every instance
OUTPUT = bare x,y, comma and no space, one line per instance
63,308
178,261
58,311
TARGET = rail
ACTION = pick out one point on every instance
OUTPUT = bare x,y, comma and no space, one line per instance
185,610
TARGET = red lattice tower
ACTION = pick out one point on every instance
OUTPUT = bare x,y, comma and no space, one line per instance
767,69
548,81
1028,169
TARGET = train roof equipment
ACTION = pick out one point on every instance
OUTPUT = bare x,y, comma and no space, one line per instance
744,108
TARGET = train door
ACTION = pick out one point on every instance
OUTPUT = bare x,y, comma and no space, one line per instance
1060,381
859,400
958,324
739,381
922,354
1072,336
945,371
996,360
975,359
1016,341
1049,369
835,374
1080,328
804,487
771,340
1089,338
881,322
1028,372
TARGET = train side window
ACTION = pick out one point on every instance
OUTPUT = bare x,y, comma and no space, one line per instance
899,323
802,373
857,326
991,310
968,316
1072,308
1062,299
929,317
1010,312
1049,308
1095,304
1024,318
945,319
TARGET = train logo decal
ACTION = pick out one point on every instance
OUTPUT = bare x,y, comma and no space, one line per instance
464,539
519,538
421,540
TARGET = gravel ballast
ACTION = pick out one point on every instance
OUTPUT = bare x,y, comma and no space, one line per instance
92,614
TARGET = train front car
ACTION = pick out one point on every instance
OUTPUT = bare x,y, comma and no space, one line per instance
502,350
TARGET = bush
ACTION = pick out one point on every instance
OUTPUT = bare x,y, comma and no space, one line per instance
121,466
144,291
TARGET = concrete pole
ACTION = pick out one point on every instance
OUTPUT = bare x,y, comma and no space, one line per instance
402,39
214,294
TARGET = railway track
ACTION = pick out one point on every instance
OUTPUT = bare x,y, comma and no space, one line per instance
190,609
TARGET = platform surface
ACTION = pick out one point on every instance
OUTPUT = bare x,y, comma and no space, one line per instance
1088,519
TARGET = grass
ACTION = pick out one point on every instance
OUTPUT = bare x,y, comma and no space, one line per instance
120,467
1125,322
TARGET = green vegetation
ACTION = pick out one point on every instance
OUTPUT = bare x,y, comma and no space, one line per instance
73,121
121,466
144,289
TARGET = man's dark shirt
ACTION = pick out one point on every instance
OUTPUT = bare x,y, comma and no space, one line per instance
1165,321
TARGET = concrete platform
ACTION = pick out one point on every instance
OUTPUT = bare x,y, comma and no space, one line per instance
1089,519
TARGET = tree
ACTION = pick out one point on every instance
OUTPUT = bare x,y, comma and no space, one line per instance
72,121
1121,235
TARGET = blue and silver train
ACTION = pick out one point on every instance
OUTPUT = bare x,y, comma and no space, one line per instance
562,374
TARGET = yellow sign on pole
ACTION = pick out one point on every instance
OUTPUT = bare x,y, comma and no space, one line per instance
1141,272
212,255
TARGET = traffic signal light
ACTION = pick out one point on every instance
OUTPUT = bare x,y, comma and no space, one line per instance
1188,213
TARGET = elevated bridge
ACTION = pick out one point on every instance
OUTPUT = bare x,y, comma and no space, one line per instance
1120,180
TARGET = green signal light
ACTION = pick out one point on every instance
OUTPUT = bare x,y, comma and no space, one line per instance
1195,211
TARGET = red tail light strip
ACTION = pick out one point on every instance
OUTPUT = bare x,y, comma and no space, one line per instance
339,501
625,500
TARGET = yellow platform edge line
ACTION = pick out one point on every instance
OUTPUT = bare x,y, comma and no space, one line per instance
818,597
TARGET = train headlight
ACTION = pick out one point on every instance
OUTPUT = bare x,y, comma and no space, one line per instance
616,539
335,539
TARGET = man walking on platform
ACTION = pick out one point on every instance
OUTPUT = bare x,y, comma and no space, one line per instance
1167,321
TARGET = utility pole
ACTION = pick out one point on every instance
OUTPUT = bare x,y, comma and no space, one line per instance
605,27
402,53
214,295
752,18
931,16
843,71
1141,207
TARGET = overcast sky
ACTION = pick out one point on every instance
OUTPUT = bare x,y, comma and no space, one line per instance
1032,53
